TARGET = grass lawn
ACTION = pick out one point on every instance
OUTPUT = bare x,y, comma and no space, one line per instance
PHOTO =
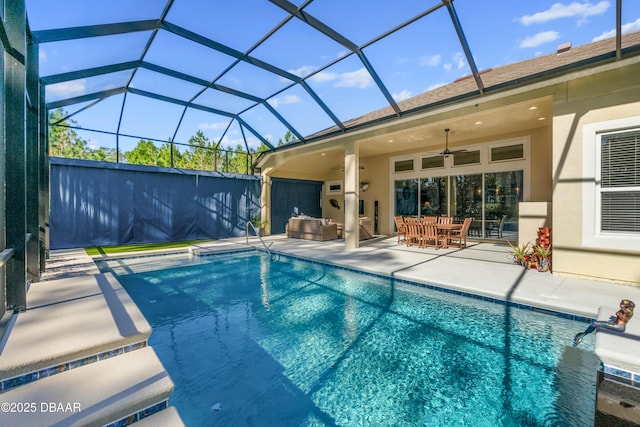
109,250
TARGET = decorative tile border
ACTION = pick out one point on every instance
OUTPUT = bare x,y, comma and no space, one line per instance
569,316
621,375
147,412
53,370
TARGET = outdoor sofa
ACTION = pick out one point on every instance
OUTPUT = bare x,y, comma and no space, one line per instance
311,229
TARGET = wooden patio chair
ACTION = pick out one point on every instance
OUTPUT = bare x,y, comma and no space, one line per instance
414,234
459,237
401,228
445,220
425,220
431,237
411,220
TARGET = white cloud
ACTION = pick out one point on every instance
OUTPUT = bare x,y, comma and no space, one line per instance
405,94
42,56
458,58
561,10
458,61
430,61
68,89
212,126
303,71
625,28
359,78
323,77
540,38
93,143
287,99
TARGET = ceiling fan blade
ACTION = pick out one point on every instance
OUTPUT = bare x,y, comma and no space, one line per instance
342,168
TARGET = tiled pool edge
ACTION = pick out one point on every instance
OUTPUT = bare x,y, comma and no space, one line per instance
140,415
621,375
9,383
441,288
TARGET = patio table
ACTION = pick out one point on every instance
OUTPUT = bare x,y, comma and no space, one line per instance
447,228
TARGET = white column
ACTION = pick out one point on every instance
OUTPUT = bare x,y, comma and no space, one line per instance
265,198
351,195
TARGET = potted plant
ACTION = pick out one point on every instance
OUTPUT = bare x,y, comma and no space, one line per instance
521,255
259,224
543,257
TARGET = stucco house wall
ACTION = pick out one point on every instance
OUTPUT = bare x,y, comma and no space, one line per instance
605,97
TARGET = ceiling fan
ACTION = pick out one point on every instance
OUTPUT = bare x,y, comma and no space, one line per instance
341,168
447,152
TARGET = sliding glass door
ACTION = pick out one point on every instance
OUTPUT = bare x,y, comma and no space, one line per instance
466,201
491,199
503,191
433,196
406,197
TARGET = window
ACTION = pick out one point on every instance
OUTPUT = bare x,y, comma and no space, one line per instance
403,165
611,184
466,158
507,152
333,187
432,162
620,182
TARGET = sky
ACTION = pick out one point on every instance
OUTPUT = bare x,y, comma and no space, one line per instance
419,57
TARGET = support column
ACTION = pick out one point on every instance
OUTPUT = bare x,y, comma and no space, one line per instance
265,202
351,195
16,158
34,164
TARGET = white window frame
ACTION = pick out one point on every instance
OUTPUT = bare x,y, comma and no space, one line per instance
592,235
515,159
329,184
403,159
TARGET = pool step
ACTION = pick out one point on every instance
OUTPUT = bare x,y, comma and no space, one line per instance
70,322
111,390
82,344
166,418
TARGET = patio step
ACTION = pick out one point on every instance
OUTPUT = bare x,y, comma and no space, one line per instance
70,322
121,388
79,356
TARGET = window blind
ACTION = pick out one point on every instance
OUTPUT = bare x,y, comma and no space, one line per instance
620,182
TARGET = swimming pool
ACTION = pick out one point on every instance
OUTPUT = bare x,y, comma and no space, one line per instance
251,341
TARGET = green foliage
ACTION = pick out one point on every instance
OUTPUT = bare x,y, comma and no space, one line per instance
65,142
520,252
200,154
258,222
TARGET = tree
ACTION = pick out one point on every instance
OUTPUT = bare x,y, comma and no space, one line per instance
201,153
146,153
65,142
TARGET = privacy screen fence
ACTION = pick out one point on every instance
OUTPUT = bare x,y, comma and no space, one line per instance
102,204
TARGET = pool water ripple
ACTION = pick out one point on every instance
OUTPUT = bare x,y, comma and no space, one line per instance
249,341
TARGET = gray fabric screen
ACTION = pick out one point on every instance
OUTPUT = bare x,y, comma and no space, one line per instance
102,204
290,197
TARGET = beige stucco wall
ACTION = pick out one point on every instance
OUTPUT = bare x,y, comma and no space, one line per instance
607,96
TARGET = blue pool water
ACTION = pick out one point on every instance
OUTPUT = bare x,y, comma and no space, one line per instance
251,341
